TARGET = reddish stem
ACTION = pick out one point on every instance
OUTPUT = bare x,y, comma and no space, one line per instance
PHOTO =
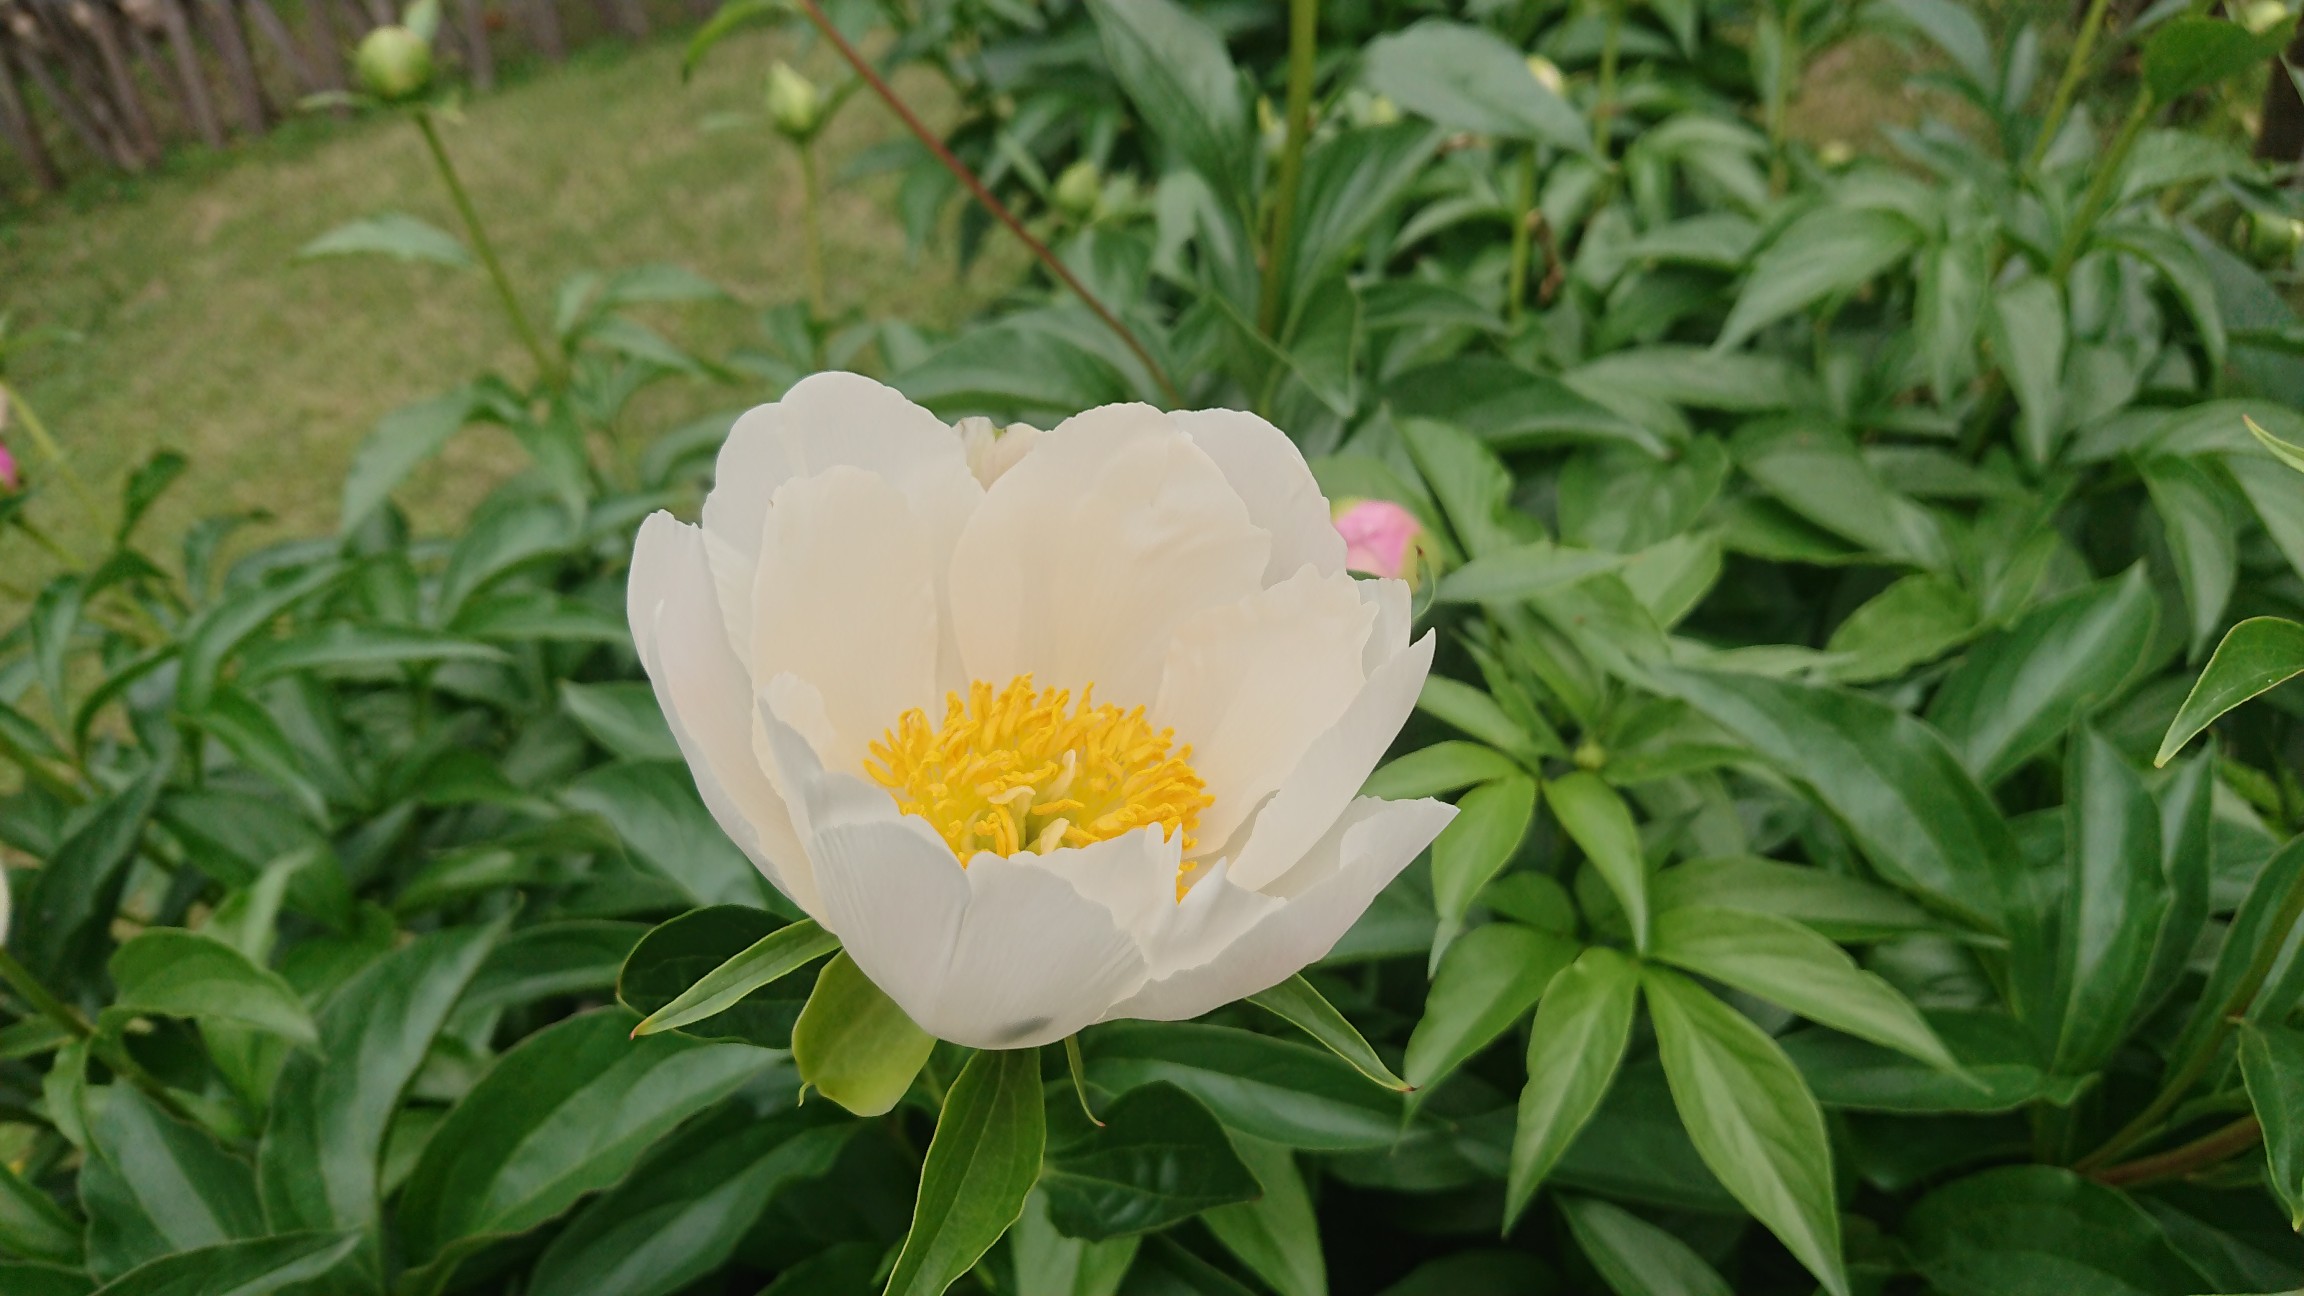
983,195
2199,1154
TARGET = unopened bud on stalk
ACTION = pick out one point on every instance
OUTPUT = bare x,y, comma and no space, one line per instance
394,64
795,105
2273,239
1078,190
11,480
1835,153
1382,111
1383,539
1547,74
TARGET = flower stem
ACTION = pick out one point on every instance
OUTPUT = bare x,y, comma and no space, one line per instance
2100,188
546,370
811,227
999,210
13,400
2199,1154
2188,1072
1303,45
2068,85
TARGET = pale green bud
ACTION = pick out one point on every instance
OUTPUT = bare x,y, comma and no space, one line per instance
393,64
795,105
1078,190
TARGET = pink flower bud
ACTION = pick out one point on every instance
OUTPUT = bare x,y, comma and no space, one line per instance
1381,538
10,480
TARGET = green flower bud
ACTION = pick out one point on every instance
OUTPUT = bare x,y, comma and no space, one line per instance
2273,240
1078,190
422,18
394,64
795,105
1835,153
2264,15
1547,74
1382,111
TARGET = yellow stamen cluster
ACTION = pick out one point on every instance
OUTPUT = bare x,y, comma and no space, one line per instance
1025,769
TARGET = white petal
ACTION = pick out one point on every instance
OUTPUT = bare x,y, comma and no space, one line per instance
1133,876
1324,782
1250,686
1086,554
891,889
1270,475
704,694
1368,846
1394,619
828,420
1036,960
846,592
1003,954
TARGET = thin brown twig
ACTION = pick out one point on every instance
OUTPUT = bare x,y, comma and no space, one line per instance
967,178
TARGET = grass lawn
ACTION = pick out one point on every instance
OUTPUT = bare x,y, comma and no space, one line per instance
198,330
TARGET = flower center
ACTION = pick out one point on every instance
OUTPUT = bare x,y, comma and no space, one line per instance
1025,769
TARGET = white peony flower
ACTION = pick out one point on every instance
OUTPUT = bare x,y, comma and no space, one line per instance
1050,728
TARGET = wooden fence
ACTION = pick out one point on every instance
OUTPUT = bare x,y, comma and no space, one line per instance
111,83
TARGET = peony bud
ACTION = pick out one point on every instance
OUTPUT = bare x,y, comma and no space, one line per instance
1382,111
2273,240
1835,153
1078,190
1383,539
1547,74
2264,15
795,105
394,64
11,480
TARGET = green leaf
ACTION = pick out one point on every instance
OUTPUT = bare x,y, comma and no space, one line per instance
1918,619
1490,822
683,1212
1845,909
1752,1119
1050,1264
32,1225
64,916
980,1165
2191,52
1439,769
1817,471
220,631
2029,328
1828,252
678,955
170,972
622,716
1459,704
2287,452
1582,1027
144,488
1303,1006
2202,537
854,1044
1351,181
32,1278
256,1267
1507,407
1159,1159
2040,1231
1473,486
1268,1088
1917,816
502,536
1186,91
1276,1236
576,956
654,807
2272,1061
399,442
1599,822
1510,575
567,1112
1636,1258
2187,842
1488,980
1467,78
2255,657
2115,897
1797,970
349,647
392,234
2016,693
2254,924
153,1185
2183,270
774,956
2001,1069
317,1163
